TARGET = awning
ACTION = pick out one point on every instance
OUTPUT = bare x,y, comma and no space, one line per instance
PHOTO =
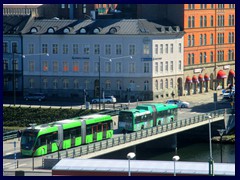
195,79
206,77
221,74
200,78
232,73
188,80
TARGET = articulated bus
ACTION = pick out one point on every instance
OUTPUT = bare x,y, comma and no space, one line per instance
146,116
64,134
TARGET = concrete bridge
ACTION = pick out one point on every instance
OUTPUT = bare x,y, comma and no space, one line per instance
121,141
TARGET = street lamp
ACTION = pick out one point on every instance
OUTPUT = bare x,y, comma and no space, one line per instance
14,69
130,156
175,158
221,131
99,73
211,162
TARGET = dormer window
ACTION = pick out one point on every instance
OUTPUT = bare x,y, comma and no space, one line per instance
51,30
83,31
66,30
34,30
96,30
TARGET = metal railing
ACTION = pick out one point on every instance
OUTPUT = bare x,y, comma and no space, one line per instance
122,139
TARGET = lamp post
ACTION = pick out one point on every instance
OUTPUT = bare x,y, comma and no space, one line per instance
99,73
14,70
175,158
130,156
221,131
211,162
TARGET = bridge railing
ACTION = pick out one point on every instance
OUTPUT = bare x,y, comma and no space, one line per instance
127,138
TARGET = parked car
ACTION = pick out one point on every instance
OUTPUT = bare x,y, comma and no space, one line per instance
179,103
107,99
35,97
228,94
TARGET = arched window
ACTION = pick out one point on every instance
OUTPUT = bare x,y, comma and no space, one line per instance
161,84
146,85
156,84
76,84
82,31
166,83
34,30
51,30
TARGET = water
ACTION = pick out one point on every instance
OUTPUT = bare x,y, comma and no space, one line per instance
198,152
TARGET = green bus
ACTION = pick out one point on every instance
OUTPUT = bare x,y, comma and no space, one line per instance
146,116
65,134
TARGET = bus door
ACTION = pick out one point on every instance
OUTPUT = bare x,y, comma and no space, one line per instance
49,144
94,132
104,128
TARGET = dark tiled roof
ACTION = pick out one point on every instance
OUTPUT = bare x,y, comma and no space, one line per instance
13,24
106,26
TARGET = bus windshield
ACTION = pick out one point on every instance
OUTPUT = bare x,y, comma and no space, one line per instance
28,139
125,116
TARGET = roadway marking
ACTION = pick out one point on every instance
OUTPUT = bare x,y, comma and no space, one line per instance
7,164
22,165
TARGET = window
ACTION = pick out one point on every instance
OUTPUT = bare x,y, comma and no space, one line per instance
65,83
156,67
189,59
86,49
201,39
161,84
231,37
131,49
201,58
31,83
166,48
146,85
205,21
45,83
205,39
31,66
107,67
75,48
30,48
55,48
75,66
5,47
108,49
193,40
171,48
193,21
189,40
65,66
166,66
55,66
205,57
179,65
156,49
118,49
45,66
14,47
193,58
171,83
211,57
132,67
166,83
189,21
146,68
146,49
96,49
76,84
201,21
211,21
86,67
118,67
65,49
44,48
211,39
171,66
51,30
156,85
179,47
107,85
161,48
5,64
161,67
